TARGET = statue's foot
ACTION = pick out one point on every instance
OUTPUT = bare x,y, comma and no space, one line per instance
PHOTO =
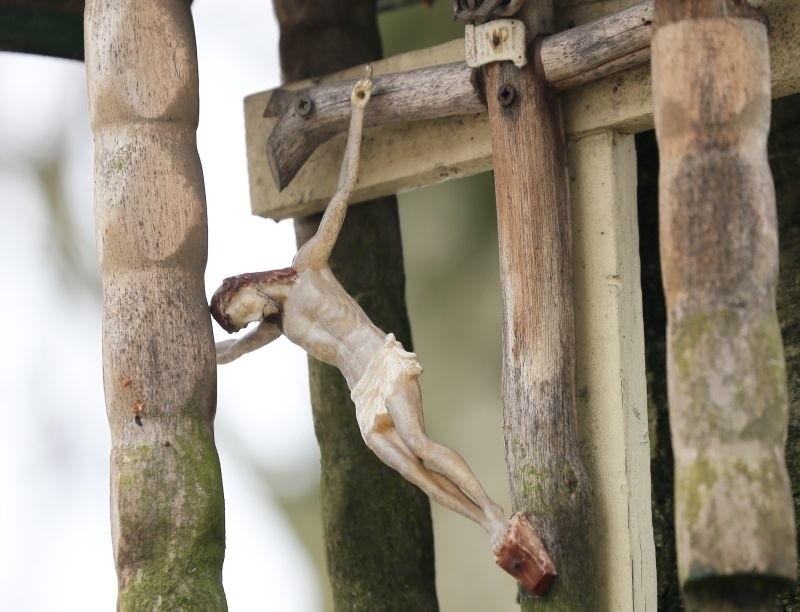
523,555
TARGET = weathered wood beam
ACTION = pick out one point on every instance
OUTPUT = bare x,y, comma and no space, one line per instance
547,477
407,156
310,116
159,364
719,256
599,48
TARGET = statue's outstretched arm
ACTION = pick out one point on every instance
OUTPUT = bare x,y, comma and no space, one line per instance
315,252
266,332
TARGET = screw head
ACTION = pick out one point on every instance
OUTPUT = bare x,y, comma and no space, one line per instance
506,95
303,106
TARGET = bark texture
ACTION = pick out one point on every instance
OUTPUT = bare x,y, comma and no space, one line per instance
546,473
377,526
726,374
158,353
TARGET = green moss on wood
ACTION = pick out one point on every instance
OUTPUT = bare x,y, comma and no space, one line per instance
171,521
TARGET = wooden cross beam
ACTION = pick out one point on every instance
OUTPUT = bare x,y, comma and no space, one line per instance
403,156
310,116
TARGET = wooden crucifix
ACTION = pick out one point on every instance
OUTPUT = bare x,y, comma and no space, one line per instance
602,111
312,115
307,304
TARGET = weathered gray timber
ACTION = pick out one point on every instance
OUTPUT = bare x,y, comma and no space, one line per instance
159,367
718,239
546,474
377,526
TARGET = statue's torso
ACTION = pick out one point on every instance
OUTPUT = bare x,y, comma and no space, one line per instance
329,325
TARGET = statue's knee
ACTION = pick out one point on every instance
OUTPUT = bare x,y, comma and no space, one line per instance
419,444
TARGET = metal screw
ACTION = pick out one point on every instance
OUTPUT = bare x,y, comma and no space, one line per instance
304,106
506,95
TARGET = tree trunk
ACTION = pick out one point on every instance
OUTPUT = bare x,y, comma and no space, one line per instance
377,526
159,366
726,374
546,474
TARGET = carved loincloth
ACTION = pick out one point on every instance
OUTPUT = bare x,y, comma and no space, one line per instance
390,364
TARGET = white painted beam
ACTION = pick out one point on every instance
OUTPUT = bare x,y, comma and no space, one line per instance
610,366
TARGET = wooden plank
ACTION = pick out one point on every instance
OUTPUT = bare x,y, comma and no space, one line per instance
400,158
734,516
612,394
159,365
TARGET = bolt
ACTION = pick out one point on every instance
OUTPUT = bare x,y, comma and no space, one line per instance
303,106
506,95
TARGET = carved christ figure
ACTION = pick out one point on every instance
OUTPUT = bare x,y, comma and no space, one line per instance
307,304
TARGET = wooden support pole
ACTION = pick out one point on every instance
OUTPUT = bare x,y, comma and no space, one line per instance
546,473
719,246
158,353
377,526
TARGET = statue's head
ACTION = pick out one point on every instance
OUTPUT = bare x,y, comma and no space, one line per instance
250,297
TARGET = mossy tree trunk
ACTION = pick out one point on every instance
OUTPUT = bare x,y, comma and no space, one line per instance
377,526
159,367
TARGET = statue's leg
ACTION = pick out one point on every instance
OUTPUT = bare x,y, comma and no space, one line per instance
405,407
390,449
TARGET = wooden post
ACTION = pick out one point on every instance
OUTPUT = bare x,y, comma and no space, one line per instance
719,246
545,469
158,353
612,394
377,526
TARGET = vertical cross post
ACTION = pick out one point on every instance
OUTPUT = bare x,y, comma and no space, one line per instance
546,473
719,255
158,353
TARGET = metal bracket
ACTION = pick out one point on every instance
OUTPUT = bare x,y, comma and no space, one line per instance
496,41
